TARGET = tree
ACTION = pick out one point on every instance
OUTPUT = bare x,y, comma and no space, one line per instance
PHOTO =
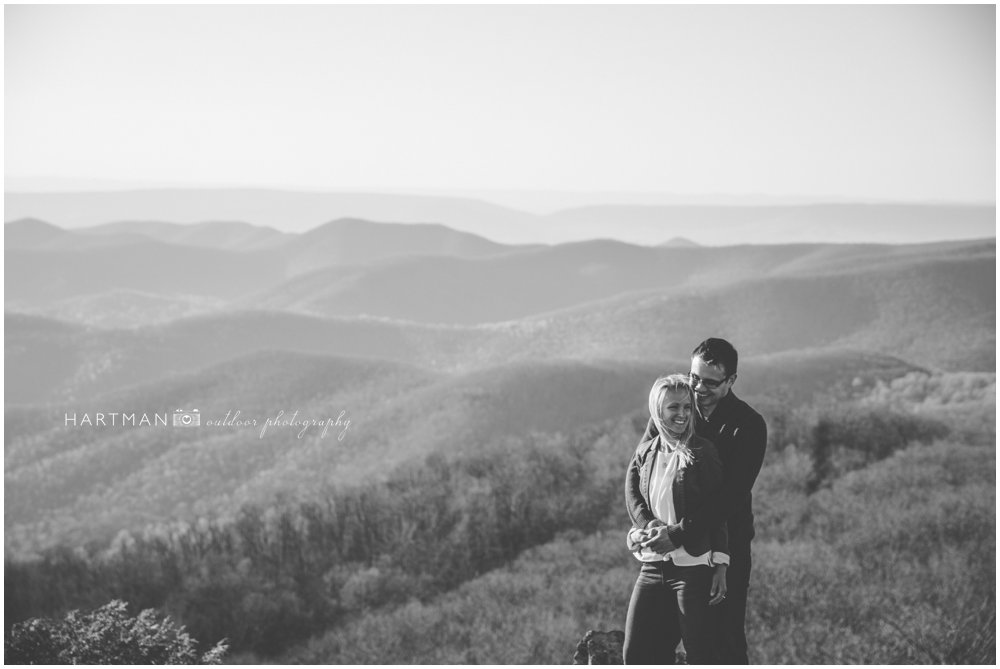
107,635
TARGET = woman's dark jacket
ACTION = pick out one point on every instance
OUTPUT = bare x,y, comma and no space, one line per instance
693,486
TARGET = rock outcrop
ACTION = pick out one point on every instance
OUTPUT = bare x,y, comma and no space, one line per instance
600,648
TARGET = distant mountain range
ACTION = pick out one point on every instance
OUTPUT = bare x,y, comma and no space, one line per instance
46,264
347,268
842,223
436,340
229,235
350,241
650,224
934,307
516,285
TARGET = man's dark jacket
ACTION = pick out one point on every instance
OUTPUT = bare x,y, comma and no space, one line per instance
740,438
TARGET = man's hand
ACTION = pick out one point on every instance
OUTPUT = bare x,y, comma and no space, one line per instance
718,591
657,540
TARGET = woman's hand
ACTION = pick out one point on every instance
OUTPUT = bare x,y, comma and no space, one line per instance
636,537
718,591
657,539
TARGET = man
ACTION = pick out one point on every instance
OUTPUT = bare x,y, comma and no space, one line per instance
740,437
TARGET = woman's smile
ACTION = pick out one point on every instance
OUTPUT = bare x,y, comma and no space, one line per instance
676,411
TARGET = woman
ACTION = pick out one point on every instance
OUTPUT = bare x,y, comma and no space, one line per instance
670,475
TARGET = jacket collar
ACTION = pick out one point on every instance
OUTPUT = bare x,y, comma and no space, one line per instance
653,443
649,444
724,408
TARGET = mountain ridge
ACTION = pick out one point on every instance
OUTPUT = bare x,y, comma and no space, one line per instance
649,224
938,312
464,291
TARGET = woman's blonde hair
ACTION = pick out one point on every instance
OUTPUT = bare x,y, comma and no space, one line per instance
673,383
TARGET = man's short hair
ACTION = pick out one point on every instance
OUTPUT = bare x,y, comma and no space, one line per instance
717,351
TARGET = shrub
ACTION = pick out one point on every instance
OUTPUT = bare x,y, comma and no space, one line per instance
849,438
107,635
380,584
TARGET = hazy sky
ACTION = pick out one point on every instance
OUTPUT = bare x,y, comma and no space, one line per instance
884,102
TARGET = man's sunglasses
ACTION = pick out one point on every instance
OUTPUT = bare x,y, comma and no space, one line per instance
708,383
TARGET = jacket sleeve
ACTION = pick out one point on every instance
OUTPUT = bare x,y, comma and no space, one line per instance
638,509
745,464
712,513
747,461
713,479
719,541
632,546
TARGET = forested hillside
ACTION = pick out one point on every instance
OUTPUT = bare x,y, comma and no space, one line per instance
463,503
68,485
383,553
912,601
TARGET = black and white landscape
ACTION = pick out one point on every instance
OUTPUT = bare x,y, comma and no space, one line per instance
443,348
336,420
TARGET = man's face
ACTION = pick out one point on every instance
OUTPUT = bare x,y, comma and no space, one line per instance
711,383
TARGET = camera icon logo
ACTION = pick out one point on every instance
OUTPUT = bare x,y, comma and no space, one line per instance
184,418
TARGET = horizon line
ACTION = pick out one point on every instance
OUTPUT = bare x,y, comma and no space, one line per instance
683,199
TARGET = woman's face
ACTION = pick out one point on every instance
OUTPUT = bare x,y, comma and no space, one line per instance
676,411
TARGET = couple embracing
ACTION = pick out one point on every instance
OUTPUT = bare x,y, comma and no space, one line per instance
688,493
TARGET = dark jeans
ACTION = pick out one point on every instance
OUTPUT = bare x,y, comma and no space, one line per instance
669,603
728,618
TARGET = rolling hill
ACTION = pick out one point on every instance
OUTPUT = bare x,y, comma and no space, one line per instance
37,276
466,291
70,484
55,472
33,234
46,264
71,362
580,581
937,312
40,356
27,233
346,268
354,242
515,285
228,235
74,483
115,309
344,241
